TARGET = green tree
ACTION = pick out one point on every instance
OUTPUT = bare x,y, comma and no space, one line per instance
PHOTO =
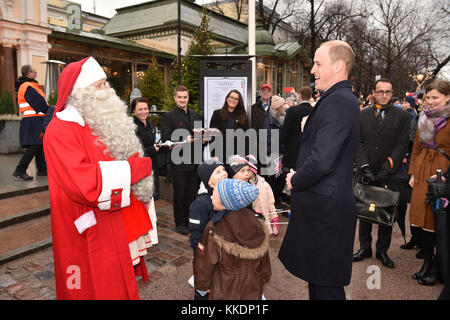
202,44
152,84
7,103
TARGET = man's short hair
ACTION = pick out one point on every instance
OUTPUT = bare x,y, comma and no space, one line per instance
26,69
341,50
306,93
180,88
383,80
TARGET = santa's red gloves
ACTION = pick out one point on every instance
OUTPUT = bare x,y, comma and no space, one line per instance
140,167
275,226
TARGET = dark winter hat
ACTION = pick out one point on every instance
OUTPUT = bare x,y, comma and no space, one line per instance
206,168
411,100
236,194
235,163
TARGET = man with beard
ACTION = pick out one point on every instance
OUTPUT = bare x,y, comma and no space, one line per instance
100,188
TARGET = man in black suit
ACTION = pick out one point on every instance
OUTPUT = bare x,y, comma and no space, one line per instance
291,130
318,245
185,180
382,146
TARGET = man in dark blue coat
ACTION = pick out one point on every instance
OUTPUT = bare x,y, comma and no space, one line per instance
318,244
32,106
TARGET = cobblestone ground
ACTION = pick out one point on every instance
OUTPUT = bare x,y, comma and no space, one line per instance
170,267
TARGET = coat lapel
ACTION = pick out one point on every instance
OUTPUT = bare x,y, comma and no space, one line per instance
373,119
387,119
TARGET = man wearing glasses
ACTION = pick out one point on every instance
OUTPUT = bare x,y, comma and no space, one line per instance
382,146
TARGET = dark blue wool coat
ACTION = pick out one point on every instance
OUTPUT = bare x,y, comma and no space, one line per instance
318,245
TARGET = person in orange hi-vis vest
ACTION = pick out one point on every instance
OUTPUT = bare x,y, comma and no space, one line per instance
32,106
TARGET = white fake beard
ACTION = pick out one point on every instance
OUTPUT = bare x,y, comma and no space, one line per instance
106,115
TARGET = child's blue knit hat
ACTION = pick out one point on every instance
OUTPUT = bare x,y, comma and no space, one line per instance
236,194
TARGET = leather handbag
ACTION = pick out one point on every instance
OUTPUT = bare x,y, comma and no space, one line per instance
375,204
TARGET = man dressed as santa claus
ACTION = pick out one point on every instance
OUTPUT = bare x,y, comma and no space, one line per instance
100,189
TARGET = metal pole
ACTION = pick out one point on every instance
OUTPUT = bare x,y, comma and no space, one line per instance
179,43
251,44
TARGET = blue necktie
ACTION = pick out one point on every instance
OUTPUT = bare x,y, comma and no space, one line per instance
380,117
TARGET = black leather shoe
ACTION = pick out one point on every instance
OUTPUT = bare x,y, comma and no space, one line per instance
425,267
410,245
420,254
362,254
22,176
384,258
182,229
430,277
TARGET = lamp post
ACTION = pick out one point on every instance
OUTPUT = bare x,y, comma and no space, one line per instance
179,43
251,44
420,79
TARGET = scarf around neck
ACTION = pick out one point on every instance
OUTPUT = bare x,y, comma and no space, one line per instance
430,122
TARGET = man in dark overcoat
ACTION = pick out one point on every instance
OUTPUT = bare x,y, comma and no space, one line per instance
318,244
184,175
383,144
291,131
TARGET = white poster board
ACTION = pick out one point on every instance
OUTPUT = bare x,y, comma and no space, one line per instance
216,90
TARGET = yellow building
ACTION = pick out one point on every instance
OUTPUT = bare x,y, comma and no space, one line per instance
57,16
35,31
23,37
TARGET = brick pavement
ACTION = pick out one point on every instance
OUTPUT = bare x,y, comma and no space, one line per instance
33,278
170,266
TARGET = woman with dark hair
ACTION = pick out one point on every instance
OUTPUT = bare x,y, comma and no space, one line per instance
232,116
431,143
146,132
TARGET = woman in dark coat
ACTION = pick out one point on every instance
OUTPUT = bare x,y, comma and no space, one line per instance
232,115
146,132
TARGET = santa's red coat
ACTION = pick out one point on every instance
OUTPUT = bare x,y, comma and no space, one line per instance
87,193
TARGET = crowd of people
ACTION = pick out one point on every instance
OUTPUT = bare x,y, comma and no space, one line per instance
103,181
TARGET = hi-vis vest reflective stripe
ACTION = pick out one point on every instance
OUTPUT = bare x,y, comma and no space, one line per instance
25,109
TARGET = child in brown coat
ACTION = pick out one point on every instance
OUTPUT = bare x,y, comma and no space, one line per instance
232,258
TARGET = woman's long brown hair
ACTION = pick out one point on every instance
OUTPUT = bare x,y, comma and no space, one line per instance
239,111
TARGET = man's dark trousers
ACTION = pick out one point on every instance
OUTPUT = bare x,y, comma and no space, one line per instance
185,187
365,236
30,152
325,293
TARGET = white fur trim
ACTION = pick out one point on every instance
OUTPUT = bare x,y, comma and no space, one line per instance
71,114
85,221
91,72
115,175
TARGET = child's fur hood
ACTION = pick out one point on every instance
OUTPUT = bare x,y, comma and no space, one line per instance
242,235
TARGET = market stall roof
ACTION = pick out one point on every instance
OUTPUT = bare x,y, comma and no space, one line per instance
97,38
265,46
292,48
160,15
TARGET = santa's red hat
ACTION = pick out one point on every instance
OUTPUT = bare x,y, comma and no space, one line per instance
75,75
